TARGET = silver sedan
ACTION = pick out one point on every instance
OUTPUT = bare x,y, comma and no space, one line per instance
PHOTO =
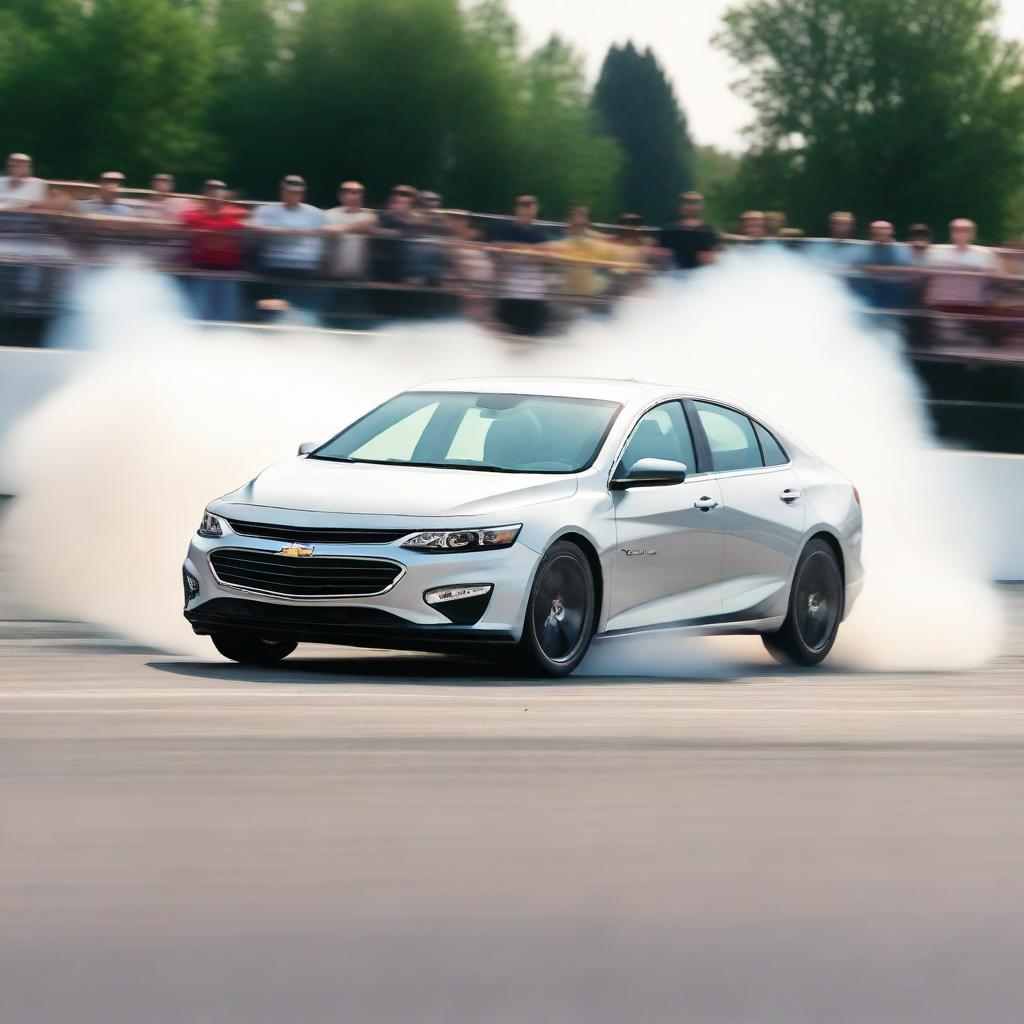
519,518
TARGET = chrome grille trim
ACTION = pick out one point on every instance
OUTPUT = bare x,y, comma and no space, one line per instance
264,563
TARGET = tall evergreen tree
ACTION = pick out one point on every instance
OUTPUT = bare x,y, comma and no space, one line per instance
638,107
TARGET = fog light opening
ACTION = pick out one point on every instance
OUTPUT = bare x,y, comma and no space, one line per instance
463,604
441,595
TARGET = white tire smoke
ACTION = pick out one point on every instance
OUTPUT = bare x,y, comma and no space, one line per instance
113,472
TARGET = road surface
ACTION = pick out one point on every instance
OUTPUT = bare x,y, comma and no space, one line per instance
411,839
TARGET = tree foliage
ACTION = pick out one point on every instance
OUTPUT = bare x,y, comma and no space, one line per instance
911,111
638,107
387,91
716,176
113,84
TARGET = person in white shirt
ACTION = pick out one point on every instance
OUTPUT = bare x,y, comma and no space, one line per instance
962,254
349,226
293,228
18,189
960,291
163,204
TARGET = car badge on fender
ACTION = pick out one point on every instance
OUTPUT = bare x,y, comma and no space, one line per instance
297,550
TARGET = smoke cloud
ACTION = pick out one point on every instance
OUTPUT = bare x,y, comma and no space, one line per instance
114,470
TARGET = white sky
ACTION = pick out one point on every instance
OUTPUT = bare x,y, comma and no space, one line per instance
679,32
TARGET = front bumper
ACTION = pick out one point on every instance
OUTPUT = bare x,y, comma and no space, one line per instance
398,618
355,627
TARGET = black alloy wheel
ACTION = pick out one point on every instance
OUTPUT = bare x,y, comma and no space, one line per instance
561,613
816,604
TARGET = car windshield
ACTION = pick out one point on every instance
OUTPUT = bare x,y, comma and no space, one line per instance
502,433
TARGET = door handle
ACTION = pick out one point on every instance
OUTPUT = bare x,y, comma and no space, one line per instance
705,503
789,495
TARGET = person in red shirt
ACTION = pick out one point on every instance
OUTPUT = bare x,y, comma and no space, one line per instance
215,250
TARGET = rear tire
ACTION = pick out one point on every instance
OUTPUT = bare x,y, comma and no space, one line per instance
560,614
816,603
252,650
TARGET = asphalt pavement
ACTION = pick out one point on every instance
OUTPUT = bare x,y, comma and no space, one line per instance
371,838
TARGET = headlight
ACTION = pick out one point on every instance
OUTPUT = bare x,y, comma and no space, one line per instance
211,526
464,540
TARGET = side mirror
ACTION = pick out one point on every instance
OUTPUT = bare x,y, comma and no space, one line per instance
649,473
308,446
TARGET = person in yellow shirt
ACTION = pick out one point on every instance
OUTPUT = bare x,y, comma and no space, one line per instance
587,256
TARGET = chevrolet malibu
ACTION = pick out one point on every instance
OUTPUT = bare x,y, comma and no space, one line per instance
520,518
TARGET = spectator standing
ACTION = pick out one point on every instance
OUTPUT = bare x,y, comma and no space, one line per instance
523,228
966,287
293,246
690,239
19,190
839,251
882,249
215,250
349,224
919,237
583,247
427,254
163,204
470,266
107,202
879,285
775,223
753,224
522,277
631,233
962,253
397,226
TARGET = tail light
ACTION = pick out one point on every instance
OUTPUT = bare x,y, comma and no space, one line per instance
856,495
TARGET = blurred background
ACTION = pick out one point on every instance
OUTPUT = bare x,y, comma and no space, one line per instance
230,226
269,156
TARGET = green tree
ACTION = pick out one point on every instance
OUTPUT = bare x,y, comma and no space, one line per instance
393,91
716,174
562,155
904,109
638,107
111,84
383,90
252,42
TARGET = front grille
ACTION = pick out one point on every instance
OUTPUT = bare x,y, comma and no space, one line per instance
315,534
319,576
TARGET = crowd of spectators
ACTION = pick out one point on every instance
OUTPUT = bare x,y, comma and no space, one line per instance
510,269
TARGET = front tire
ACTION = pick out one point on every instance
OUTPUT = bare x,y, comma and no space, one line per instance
252,650
560,614
816,602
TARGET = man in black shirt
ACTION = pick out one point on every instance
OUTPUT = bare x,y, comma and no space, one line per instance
692,242
522,280
523,229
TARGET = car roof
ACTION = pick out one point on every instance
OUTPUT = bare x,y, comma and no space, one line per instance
606,389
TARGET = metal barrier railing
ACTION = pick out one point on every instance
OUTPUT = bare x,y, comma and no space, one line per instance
432,270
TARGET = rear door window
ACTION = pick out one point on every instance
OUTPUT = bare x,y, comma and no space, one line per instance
730,437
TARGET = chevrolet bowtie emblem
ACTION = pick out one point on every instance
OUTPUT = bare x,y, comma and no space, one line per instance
297,551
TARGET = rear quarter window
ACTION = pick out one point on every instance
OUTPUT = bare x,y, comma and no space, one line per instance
774,454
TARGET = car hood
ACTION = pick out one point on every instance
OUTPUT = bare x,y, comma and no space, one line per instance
318,485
